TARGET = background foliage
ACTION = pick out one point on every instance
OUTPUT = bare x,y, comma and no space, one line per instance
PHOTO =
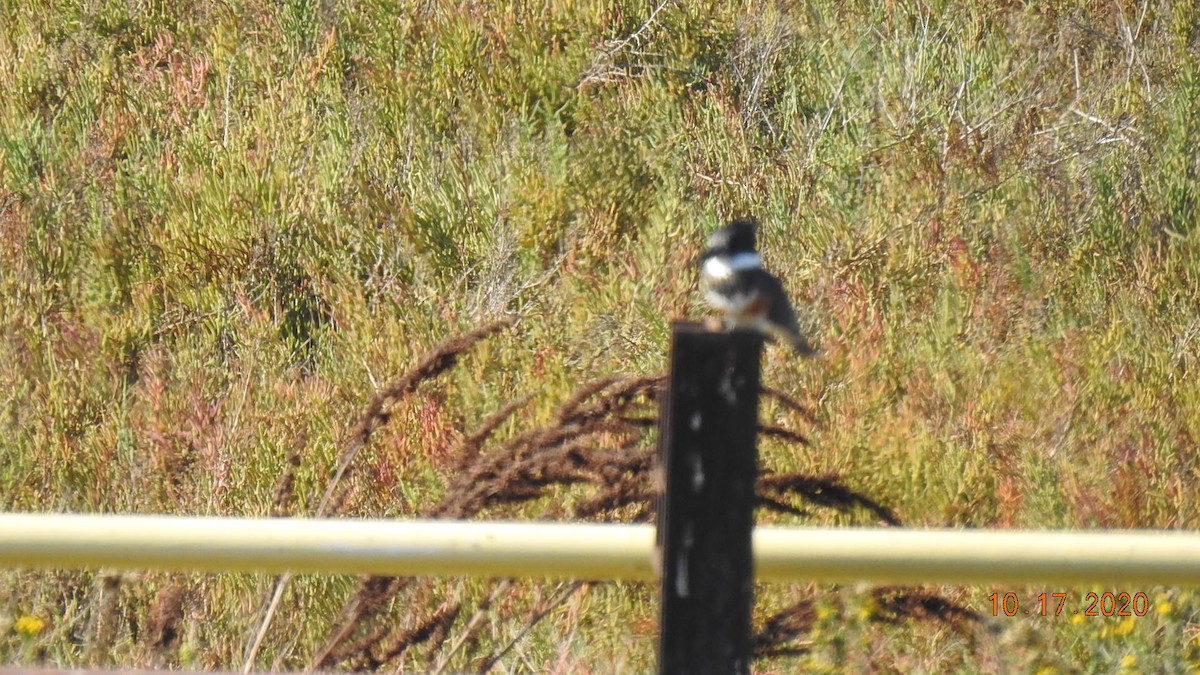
225,224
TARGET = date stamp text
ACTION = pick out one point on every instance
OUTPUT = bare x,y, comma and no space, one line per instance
1059,604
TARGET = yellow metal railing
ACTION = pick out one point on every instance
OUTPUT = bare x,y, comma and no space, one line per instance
589,551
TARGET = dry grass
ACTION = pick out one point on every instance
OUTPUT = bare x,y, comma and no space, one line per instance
225,228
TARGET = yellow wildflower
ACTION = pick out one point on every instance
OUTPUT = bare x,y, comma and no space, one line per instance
825,612
867,609
29,626
1125,627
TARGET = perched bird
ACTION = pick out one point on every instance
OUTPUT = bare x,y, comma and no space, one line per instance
734,282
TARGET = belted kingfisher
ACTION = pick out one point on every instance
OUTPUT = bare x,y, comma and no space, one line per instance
734,282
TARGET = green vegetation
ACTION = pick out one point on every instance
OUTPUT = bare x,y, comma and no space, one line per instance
225,225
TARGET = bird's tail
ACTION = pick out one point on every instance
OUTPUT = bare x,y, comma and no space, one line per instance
791,338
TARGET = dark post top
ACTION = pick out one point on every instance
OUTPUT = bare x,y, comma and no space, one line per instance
708,455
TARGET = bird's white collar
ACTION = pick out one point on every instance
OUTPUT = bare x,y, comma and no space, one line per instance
723,266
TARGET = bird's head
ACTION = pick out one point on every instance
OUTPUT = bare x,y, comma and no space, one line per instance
736,237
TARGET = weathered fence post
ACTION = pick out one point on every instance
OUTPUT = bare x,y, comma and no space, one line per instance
708,455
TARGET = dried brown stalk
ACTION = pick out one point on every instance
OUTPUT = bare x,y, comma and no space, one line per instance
434,363
783,627
822,491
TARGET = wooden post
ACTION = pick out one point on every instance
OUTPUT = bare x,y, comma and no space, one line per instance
708,455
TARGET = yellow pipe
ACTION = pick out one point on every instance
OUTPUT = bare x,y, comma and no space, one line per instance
401,548
590,551
900,556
